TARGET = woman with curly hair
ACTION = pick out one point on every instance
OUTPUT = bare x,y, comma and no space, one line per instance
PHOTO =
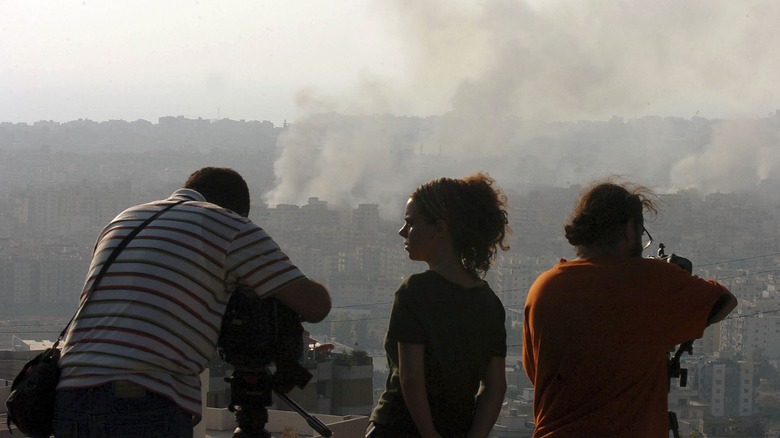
446,341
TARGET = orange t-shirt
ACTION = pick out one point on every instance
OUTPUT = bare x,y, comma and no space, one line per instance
595,339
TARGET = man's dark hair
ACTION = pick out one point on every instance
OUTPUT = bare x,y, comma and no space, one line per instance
603,210
221,186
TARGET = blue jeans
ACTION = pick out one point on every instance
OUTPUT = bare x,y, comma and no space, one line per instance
118,410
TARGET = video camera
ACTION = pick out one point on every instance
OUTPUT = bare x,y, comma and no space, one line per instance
674,258
263,340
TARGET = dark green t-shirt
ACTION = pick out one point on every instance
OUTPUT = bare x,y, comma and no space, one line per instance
462,329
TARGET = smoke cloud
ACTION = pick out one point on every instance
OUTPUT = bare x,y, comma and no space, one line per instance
742,154
547,92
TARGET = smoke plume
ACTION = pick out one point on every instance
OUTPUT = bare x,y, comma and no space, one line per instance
547,92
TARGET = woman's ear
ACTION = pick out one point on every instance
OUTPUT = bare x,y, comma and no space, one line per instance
441,227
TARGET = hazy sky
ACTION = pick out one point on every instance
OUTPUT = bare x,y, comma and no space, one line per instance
62,59
275,60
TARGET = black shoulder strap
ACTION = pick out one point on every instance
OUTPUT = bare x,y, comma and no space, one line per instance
110,260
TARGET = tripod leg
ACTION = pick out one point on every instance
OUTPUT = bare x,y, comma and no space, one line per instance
673,425
313,421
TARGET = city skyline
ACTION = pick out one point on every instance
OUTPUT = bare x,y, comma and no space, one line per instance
60,192
348,160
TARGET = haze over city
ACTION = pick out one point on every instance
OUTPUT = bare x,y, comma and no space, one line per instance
488,72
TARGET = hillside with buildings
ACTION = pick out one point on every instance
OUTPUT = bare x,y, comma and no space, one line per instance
61,182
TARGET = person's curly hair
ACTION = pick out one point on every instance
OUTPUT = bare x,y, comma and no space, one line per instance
475,212
606,206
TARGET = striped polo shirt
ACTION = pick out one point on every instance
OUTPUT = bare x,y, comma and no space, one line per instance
154,318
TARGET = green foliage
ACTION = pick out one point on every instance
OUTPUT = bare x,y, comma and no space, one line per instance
353,358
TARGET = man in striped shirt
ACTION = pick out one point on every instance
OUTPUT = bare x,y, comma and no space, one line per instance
133,355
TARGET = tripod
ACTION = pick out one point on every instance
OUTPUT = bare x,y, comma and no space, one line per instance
263,340
673,368
251,394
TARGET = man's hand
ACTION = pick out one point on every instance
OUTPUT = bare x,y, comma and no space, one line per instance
680,261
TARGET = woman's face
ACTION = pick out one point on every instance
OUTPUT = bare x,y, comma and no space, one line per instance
418,234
